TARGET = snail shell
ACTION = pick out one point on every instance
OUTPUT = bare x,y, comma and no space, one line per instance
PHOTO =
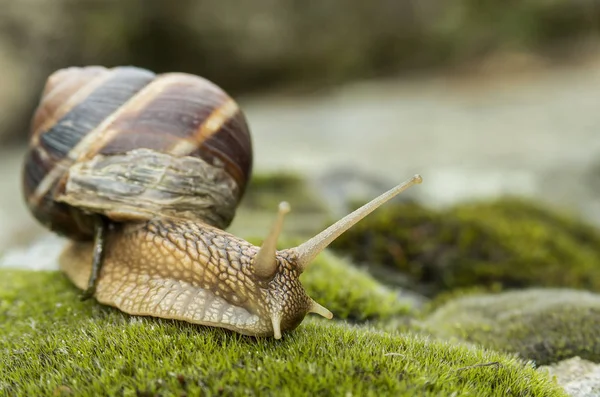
130,145
163,160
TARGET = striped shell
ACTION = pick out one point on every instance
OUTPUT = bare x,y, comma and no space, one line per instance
130,145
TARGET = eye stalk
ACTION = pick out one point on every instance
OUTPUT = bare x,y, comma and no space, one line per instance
265,261
309,250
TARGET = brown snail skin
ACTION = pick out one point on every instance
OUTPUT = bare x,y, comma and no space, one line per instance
143,173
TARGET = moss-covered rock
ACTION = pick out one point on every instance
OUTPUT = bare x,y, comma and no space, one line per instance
54,344
507,243
351,293
545,325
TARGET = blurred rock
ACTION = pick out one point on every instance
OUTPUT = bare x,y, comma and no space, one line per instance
580,378
543,325
342,187
41,254
17,225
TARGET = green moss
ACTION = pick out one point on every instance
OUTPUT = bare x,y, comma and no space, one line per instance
505,243
545,325
53,344
351,293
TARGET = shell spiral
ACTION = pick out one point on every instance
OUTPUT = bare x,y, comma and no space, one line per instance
130,144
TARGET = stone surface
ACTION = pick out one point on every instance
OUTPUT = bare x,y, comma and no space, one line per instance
41,254
580,378
543,325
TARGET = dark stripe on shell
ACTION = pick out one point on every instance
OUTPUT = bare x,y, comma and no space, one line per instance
36,167
60,88
83,118
177,112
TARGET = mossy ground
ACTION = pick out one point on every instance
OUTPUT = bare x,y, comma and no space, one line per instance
544,325
350,293
55,344
378,343
510,243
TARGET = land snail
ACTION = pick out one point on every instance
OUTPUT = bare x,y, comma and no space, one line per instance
143,172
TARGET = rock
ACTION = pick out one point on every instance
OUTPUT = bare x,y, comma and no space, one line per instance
580,378
341,187
506,243
41,254
17,226
83,348
543,325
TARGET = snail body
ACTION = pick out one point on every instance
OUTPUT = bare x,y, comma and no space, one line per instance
186,271
143,173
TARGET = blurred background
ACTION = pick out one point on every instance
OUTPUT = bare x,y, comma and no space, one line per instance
484,98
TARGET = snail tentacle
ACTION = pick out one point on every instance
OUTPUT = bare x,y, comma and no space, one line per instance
313,247
320,310
265,261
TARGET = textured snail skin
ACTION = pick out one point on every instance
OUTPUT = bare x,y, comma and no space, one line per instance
179,269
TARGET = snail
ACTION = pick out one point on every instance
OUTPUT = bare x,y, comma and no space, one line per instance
143,172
